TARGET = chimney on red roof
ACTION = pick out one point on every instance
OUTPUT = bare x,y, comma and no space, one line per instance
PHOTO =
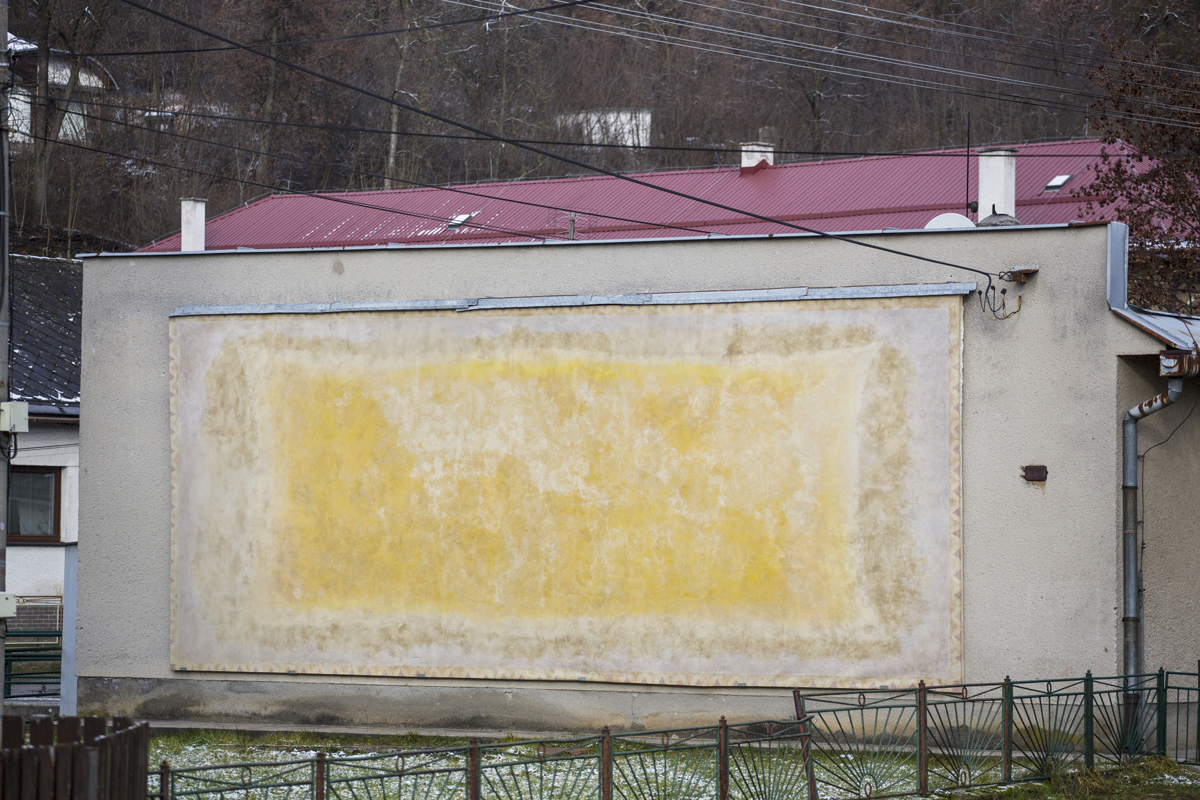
998,183
757,156
191,229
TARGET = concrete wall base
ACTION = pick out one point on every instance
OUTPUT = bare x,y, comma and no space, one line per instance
511,706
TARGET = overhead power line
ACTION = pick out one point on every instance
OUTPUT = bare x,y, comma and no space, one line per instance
1057,54
984,33
348,36
730,151
531,148
850,72
288,190
854,72
996,47
453,189
842,52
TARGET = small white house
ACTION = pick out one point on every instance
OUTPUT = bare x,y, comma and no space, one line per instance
91,81
44,482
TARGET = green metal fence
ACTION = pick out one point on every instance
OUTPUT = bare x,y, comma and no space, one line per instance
755,761
32,663
874,743
1178,728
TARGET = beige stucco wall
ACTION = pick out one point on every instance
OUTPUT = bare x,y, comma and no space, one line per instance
1167,481
1041,562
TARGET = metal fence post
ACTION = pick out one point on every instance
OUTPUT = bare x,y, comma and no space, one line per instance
474,784
922,744
606,764
164,780
807,752
1160,697
1006,768
723,760
319,777
1089,722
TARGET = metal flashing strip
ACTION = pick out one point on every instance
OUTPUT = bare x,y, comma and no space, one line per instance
1175,330
658,299
536,242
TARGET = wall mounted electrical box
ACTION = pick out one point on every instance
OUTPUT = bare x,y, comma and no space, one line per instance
8,605
14,417
1034,472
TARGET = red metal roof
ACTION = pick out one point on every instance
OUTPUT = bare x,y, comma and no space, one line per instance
838,195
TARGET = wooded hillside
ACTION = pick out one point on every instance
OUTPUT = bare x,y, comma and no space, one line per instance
189,115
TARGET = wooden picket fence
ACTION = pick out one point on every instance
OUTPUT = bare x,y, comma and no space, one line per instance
73,759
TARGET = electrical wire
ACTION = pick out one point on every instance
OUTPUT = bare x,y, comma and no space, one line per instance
419,184
987,301
987,56
1056,54
8,446
347,36
575,162
1054,64
832,50
39,448
947,153
839,51
1145,483
1045,45
861,73
288,190
846,71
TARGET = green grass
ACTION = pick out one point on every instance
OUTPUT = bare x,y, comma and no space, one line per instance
195,748
1146,779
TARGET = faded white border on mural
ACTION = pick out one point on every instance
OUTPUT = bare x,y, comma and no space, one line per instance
222,625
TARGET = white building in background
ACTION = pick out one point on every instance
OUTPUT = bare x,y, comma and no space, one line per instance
623,126
92,81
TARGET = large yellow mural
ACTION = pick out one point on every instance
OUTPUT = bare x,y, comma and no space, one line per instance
759,493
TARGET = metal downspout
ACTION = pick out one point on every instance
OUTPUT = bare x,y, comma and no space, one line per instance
1132,619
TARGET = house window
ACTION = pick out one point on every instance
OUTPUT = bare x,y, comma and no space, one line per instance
33,504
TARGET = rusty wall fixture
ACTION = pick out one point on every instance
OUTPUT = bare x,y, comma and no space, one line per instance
1034,472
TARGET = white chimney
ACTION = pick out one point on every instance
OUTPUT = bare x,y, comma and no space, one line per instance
998,181
191,232
755,152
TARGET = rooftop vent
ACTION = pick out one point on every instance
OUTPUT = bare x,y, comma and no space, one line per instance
998,219
458,220
1056,183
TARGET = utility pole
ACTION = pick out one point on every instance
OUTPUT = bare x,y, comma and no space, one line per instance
5,300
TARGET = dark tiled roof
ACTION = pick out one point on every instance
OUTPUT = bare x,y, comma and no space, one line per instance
47,311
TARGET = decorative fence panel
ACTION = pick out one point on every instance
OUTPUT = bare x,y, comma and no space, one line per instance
874,743
753,761
1179,727
73,759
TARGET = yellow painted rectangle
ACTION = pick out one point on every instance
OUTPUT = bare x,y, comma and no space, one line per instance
758,493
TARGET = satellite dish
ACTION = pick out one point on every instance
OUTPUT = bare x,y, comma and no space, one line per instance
947,221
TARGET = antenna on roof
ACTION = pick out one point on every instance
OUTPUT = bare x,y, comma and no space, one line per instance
968,165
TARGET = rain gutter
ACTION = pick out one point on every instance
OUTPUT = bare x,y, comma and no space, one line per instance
1175,365
1182,361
